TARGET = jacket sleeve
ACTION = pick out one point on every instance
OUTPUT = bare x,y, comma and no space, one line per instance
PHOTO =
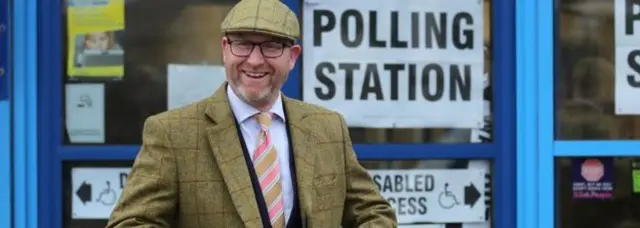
364,205
149,198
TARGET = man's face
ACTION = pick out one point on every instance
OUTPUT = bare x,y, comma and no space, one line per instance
257,66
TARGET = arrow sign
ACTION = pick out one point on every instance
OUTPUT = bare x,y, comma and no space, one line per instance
438,195
471,195
84,192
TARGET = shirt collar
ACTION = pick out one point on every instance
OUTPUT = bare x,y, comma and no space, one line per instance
243,111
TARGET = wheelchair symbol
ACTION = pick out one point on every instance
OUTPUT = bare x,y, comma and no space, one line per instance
107,196
447,199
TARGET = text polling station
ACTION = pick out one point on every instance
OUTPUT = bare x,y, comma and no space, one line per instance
627,60
405,63
434,195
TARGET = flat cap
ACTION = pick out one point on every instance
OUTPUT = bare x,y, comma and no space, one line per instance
270,17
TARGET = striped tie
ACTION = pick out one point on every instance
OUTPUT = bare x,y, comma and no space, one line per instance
265,160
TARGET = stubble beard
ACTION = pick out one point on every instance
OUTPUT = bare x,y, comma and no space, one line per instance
262,98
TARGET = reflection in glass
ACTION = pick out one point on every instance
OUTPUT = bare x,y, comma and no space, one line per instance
444,164
585,72
620,209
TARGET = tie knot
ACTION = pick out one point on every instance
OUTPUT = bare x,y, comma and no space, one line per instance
264,118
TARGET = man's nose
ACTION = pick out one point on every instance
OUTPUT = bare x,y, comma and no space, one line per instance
256,57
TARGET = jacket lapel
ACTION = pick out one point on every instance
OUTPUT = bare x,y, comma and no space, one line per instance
227,150
302,140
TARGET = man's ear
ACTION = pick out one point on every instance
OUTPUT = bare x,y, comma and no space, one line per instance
224,42
295,51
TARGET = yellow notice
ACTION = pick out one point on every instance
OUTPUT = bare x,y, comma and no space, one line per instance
95,28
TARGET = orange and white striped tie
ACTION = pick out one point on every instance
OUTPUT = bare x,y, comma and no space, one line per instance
265,160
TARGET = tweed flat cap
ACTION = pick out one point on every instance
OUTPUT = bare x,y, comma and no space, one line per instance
270,17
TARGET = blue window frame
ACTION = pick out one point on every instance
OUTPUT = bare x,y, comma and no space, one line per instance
52,153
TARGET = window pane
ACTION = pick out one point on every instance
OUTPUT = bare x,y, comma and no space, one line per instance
412,185
375,116
110,109
591,56
597,192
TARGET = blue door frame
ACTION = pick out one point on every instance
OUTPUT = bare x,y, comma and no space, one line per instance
6,139
51,153
535,57
24,114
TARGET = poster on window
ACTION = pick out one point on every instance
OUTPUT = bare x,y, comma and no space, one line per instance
95,28
627,60
422,196
385,64
592,178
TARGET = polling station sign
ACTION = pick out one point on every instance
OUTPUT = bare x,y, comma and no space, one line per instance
405,63
627,60
434,195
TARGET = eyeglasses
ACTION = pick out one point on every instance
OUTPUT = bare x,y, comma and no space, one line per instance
269,49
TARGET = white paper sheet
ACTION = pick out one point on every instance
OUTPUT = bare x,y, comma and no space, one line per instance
85,113
432,86
627,59
191,83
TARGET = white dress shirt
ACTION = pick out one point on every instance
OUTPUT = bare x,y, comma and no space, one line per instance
250,131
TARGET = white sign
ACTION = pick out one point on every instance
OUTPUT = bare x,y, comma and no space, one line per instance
96,191
191,83
407,63
434,195
423,226
84,104
627,62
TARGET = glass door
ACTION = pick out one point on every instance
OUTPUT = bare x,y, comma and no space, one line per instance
589,114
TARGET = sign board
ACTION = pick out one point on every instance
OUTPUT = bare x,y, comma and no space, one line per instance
434,195
94,34
96,191
627,56
85,112
388,64
423,226
592,178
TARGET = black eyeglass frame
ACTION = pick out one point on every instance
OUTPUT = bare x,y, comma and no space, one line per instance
254,44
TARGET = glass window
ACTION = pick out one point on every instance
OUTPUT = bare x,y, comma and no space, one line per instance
331,85
597,192
401,180
593,61
108,105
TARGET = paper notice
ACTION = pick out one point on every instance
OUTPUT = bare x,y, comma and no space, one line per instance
191,83
422,226
85,113
95,31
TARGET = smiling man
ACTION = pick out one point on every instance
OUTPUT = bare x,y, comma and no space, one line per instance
248,156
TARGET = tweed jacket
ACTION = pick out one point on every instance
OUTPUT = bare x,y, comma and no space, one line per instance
191,173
